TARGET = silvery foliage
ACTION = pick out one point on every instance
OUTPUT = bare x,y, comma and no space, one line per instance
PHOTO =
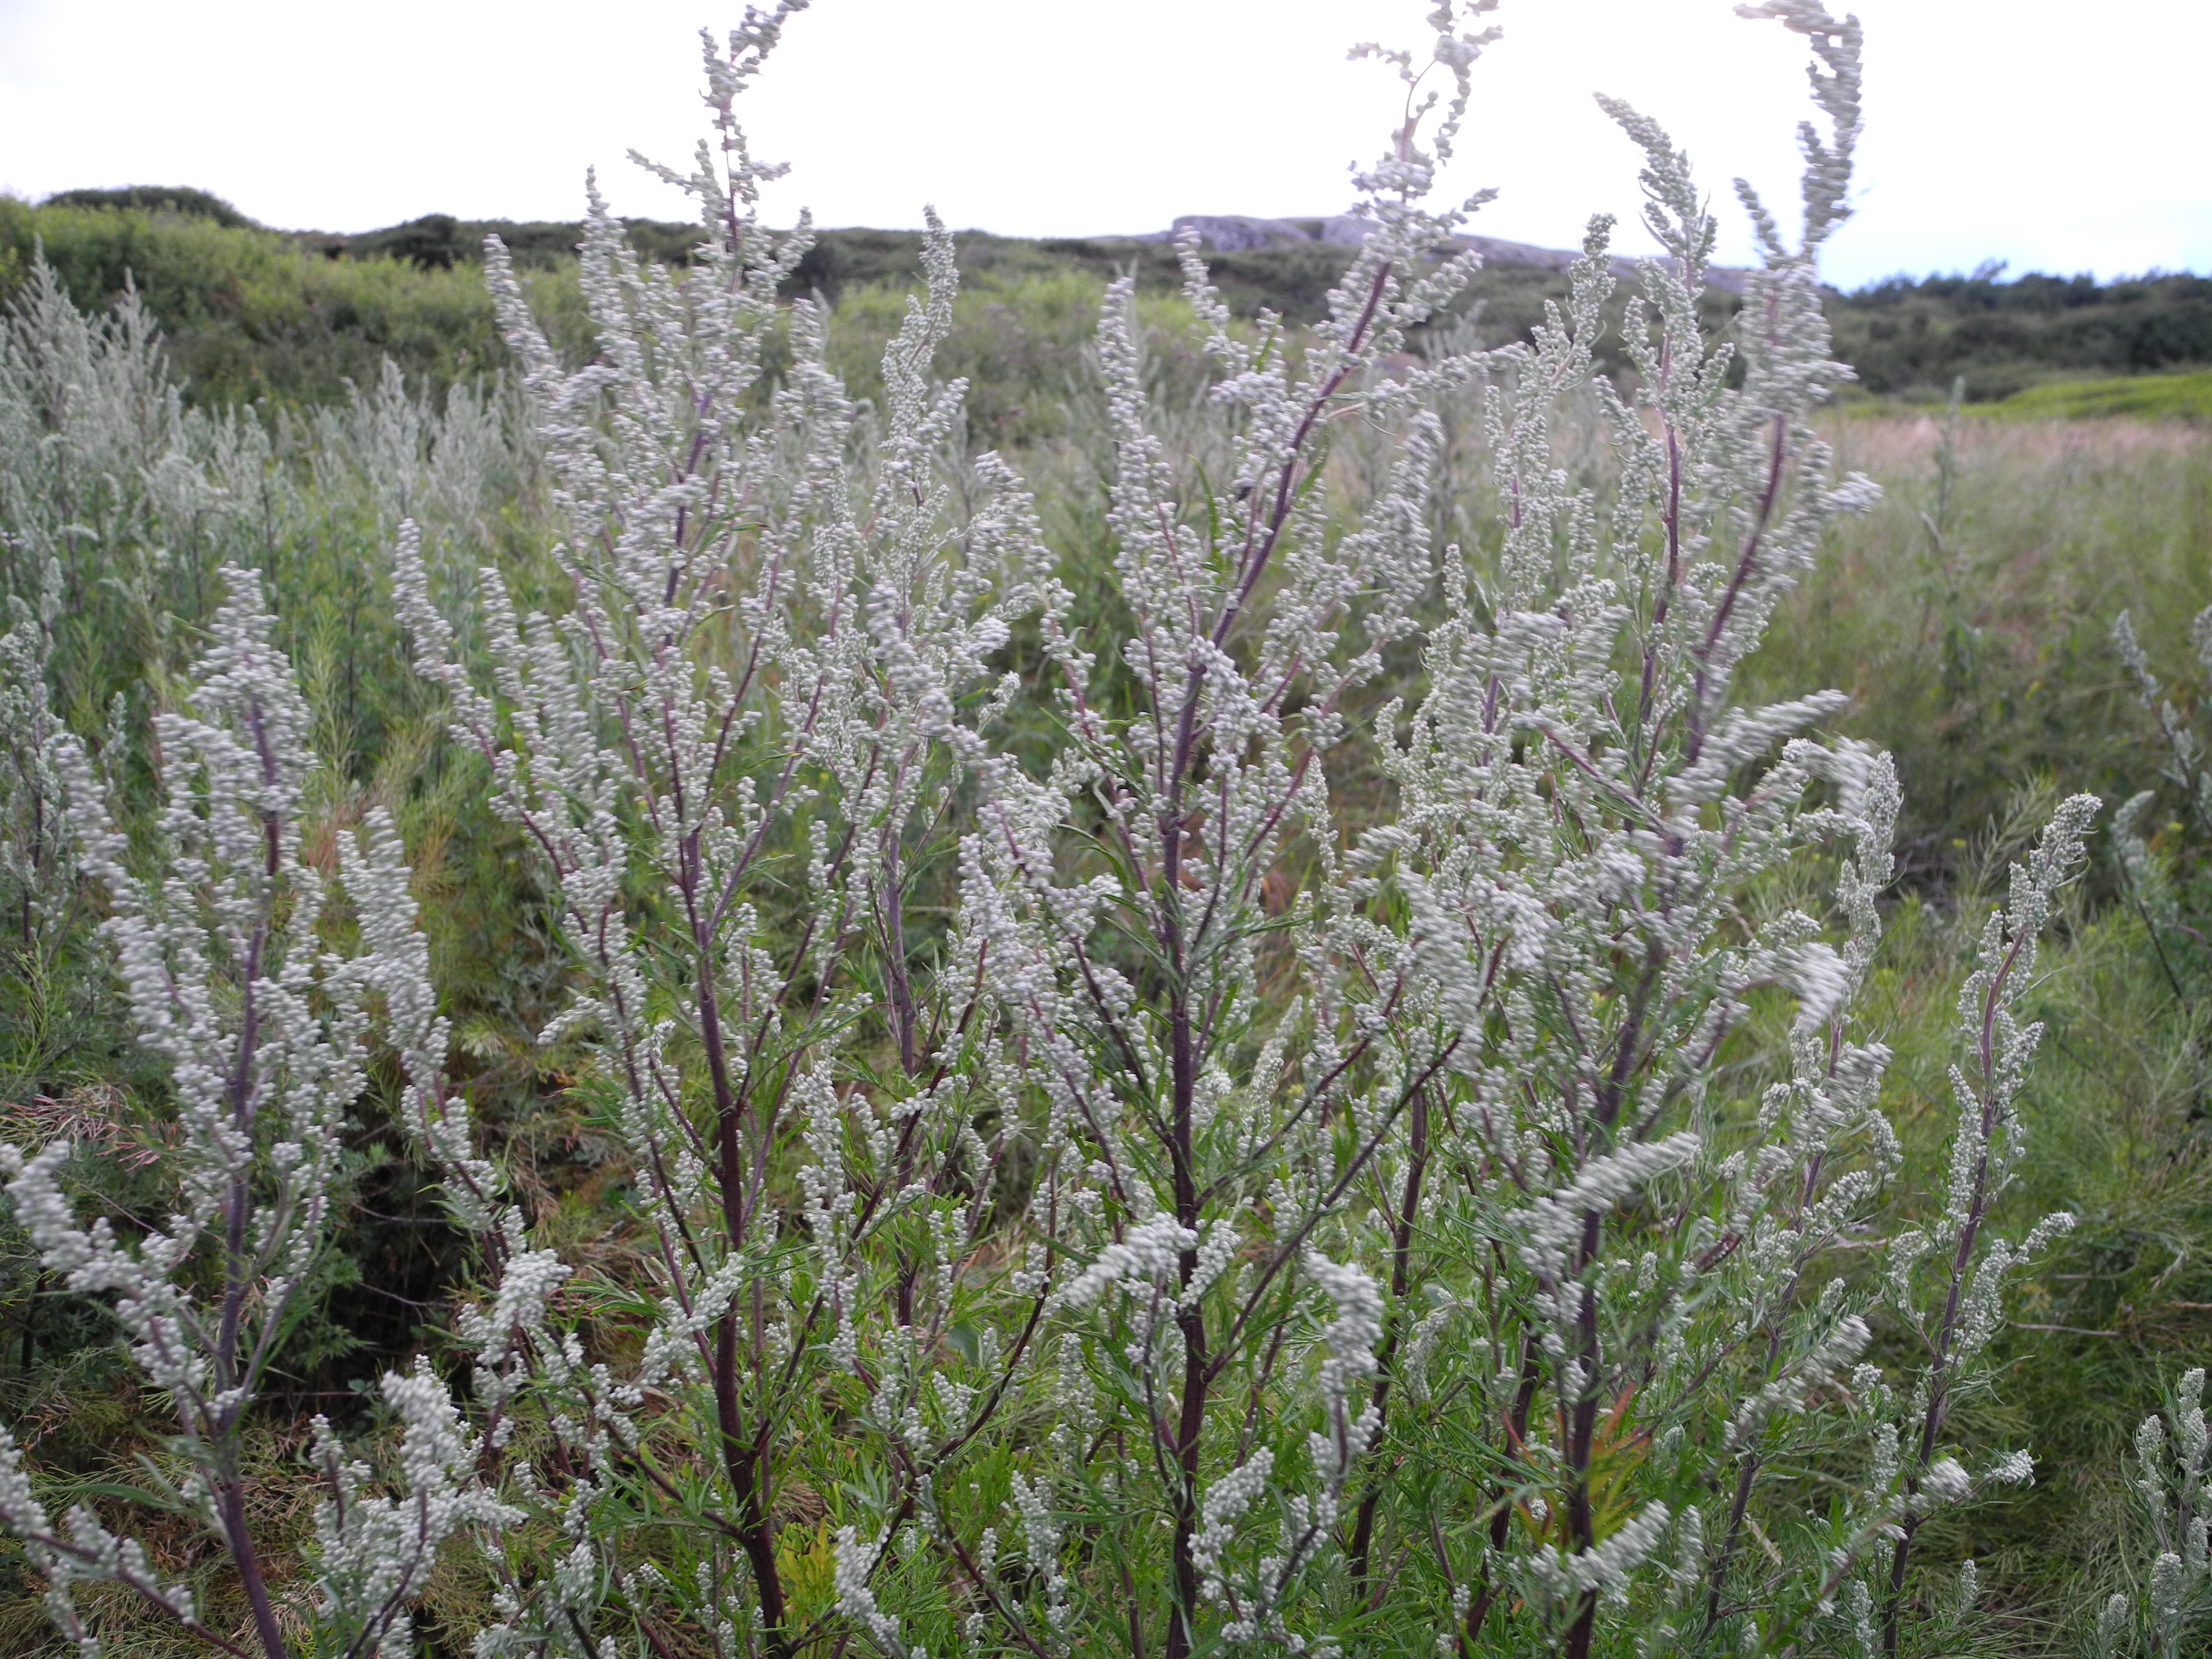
36,863
1571,855
774,678
123,513
1195,1147
1302,1212
125,503
1462,1162
92,429
87,411
1945,1282
2168,1476
2170,1457
265,1033
1506,1007
2150,878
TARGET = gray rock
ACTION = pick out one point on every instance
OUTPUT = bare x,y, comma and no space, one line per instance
1230,233
1345,230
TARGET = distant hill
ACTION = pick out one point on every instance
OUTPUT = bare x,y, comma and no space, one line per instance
253,312
1911,337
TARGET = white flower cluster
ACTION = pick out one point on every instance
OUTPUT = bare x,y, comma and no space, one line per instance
856,1565
1351,1337
2171,1465
375,1553
1148,1257
1606,1565
266,1034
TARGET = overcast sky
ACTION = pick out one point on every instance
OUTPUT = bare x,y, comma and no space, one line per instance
2055,136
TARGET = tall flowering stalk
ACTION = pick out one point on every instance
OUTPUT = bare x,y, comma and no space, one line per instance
1218,1125
2169,1478
734,756
1206,1141
1966,1257
88,415
1582,812
37,865
2158,881
265,1030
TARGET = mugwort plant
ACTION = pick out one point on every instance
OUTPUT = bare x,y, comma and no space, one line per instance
1318,1106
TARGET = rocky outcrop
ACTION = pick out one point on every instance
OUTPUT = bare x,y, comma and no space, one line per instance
1232,232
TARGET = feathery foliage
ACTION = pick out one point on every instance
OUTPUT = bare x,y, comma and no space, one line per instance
1309,1085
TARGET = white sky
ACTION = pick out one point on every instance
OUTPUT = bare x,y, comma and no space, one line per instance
2057,136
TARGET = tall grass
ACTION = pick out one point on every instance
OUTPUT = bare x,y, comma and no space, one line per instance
1971,621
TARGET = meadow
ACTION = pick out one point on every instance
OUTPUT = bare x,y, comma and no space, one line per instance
187,395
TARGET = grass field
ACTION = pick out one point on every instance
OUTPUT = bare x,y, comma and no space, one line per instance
2145,397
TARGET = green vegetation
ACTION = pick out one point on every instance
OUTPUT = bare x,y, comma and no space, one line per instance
2144,396
1970,615
1912,338
1968,620
250,314
181,200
